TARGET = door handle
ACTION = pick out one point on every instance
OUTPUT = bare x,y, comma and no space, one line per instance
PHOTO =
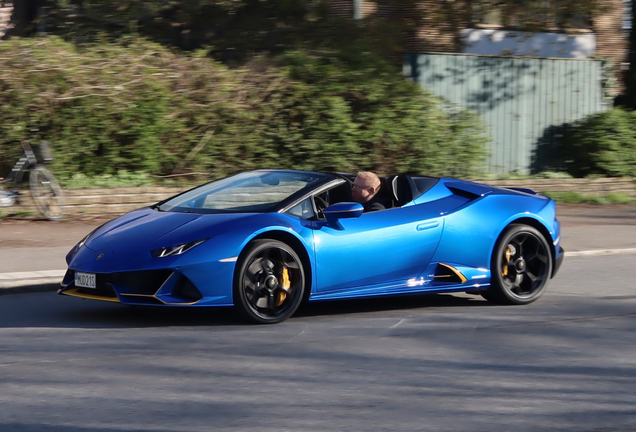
427,225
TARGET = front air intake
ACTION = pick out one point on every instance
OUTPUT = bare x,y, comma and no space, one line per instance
186,290
139,282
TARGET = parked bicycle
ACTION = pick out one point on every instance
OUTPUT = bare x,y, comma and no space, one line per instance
45,189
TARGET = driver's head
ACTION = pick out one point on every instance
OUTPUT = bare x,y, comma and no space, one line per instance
365,186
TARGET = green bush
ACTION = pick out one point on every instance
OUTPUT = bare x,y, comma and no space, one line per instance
602,144
135,106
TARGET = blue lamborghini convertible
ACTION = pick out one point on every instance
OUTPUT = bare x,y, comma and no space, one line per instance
265,241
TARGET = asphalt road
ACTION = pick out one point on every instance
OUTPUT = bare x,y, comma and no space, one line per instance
423,363
419,363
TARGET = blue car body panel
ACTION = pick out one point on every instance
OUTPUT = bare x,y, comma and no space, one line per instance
381,247
441,240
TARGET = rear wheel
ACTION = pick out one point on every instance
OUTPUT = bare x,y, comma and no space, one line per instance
521,266
46,193
269,283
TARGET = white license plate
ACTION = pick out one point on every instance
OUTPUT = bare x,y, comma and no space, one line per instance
85,280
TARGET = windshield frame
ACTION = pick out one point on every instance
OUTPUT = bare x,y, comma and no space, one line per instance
225,183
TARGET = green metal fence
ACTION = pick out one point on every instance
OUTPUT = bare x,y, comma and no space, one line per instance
523,101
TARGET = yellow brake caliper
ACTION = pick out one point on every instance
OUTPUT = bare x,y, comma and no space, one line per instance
285,282
509,254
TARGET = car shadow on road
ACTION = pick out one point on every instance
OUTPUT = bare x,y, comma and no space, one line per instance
38,427
53,311
388,303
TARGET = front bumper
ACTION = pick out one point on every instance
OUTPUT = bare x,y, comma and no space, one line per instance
150,287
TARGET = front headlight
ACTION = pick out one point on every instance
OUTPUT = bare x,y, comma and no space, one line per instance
78,246
82,241
177,249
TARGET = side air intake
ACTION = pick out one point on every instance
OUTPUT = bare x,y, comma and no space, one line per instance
448,274
470,190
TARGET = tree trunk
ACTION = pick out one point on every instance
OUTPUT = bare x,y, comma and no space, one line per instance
630,75
25,16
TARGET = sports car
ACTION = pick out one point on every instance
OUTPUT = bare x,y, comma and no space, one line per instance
265,241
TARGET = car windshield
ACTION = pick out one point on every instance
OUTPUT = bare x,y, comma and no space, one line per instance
251,192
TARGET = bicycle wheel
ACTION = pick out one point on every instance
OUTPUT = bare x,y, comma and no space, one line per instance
46,193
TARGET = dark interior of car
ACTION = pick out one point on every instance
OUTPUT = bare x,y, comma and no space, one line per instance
396,191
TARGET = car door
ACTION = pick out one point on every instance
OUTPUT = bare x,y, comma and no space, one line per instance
378,248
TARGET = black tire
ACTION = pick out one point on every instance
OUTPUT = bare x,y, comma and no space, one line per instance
269,282
46,192
521,266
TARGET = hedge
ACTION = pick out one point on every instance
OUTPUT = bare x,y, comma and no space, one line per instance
603,144
137,106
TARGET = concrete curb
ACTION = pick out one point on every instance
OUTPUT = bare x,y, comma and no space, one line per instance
28,282
34,286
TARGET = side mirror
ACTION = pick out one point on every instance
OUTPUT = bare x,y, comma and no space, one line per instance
344,210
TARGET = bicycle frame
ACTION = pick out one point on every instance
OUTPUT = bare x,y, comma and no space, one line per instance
23,164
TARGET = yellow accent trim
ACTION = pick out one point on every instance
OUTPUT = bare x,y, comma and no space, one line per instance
73,292
461,277
157,298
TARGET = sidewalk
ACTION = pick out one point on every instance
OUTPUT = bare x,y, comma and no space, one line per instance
32,251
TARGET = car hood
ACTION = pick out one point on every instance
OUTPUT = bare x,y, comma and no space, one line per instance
126,243
147,229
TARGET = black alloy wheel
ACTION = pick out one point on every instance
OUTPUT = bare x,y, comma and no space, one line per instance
269,283
521,266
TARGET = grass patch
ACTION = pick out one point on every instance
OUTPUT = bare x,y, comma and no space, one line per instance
8,214
520,176
618,198
578,198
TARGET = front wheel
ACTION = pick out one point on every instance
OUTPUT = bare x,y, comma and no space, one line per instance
269,283
46,193
521,266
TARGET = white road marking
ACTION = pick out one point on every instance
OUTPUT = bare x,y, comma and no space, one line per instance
600,252
397,324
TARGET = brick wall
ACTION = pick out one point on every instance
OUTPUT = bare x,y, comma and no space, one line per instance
439,32
610,40
441,36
